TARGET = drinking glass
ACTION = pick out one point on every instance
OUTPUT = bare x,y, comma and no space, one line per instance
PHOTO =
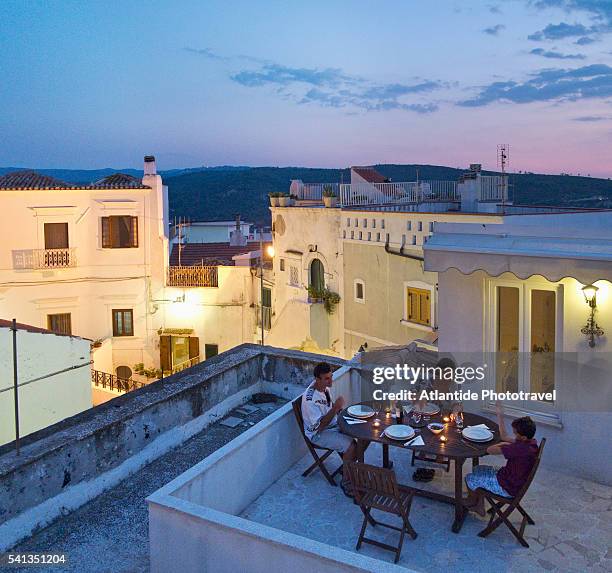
459,421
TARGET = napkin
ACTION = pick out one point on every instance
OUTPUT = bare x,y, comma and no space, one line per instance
349,421
480,426
416,442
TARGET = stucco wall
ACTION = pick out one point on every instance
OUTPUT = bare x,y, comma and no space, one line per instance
46,401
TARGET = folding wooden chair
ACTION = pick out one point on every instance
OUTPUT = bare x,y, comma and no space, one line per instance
318,460
500,515
377,488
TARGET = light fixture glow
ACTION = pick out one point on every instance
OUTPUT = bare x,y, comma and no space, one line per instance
270,251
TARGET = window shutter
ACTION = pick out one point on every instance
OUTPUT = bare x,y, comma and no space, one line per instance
164,353
134,232
194,347
106,233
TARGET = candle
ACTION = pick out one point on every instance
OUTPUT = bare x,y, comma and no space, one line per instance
443,439
376,423
446,419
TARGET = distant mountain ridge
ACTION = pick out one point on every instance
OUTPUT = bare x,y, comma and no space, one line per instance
218,193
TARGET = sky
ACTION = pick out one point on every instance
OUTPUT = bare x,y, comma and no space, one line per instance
92,84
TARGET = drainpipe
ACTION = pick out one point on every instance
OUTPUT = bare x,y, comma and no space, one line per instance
401,252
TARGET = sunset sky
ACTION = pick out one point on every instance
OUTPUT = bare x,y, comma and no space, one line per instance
319,83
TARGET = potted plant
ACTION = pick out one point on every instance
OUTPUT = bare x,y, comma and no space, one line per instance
314,294
274,199
329,196
330,300
283,200
293,198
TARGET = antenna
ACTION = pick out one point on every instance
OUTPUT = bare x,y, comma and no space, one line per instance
503,161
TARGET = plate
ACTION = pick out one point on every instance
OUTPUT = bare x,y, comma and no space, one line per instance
399,432
477,434
360,411
430,409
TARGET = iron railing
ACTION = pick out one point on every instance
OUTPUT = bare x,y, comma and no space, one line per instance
114,383
406,192
183,365
314,191
44,258
202,276
493,188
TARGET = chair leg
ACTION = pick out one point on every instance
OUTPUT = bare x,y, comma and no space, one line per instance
503,518
413,454
399,547
363,529
525,515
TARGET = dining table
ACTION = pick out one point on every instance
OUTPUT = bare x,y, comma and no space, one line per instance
453,446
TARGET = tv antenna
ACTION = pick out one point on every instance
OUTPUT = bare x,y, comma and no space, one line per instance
503,162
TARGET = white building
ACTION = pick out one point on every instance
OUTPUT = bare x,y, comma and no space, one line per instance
214,231
87,260
519,297
53,378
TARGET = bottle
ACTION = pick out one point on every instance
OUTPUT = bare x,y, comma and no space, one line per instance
399,413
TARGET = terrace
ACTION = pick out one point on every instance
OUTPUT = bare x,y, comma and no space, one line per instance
241,503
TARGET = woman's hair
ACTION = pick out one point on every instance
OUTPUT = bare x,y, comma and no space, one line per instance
525,427
321,368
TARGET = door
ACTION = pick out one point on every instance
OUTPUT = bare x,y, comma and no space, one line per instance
165,353
317,276
194,348
56,235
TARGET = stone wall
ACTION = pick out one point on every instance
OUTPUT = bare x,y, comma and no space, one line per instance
71,462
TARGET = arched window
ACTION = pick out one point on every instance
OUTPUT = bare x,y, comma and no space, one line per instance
316,276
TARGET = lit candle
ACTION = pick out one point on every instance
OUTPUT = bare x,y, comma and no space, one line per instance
446,419
443,439
388,414
376,423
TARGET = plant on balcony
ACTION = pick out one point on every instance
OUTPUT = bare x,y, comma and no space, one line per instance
274,198
329,196
284,200
329,298
149,373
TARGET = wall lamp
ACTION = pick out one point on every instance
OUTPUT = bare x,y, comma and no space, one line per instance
591,329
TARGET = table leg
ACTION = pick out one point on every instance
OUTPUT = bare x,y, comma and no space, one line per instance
460,510
475,461
386,462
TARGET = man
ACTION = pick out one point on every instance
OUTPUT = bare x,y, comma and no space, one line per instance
320,422
520,451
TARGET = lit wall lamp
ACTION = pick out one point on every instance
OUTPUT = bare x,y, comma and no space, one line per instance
591,329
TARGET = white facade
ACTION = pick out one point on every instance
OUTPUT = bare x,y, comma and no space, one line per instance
87,281
59,371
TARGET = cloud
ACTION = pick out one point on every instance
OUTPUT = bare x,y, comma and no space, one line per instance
494,9
585,41
206,52
494,30
331,87
601,10
592,118
556,55
559,32
586,82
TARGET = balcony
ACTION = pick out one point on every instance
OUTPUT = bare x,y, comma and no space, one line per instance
193,276
44,258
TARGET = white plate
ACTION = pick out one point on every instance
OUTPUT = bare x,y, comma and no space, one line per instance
359,411
477,434
399,432
430,409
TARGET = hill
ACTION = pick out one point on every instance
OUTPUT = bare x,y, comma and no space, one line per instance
220,194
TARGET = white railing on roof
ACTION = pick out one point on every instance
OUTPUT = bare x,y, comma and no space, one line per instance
314,191
493,188
406,192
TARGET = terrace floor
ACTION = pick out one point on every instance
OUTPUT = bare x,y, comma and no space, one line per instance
573,531
111,532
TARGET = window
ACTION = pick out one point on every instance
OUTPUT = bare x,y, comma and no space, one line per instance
210,350
294,276
373,223
420,226
403,240
316,277
378,237
352,234
409,226
431,225
356,222
123,322
59,323
418,305
382,223
369,236
56,235
282,264
344,234
348,222
365,223
119,232
525,337
414,239
359,291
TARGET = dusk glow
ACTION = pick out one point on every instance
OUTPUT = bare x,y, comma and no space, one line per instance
314,84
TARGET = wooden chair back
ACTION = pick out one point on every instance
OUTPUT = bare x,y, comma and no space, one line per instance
371,479
533,471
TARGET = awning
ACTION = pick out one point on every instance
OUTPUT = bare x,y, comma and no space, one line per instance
554,258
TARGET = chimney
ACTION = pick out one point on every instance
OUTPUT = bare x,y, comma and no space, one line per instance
237,239
149,165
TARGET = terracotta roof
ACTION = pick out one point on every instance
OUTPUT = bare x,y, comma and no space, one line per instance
29,328
370,174
119,181
210,253
32,180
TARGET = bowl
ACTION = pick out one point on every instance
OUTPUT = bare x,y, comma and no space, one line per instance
435,428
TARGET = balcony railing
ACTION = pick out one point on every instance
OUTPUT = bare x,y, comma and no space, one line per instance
113,383
193,276
314,191
183,365
406,192
44,258
493,188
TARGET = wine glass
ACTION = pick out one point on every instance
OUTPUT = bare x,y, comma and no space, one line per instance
459,421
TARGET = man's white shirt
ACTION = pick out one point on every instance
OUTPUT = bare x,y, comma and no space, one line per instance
315,405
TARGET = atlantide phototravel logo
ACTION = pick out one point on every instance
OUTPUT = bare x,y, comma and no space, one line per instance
423,381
